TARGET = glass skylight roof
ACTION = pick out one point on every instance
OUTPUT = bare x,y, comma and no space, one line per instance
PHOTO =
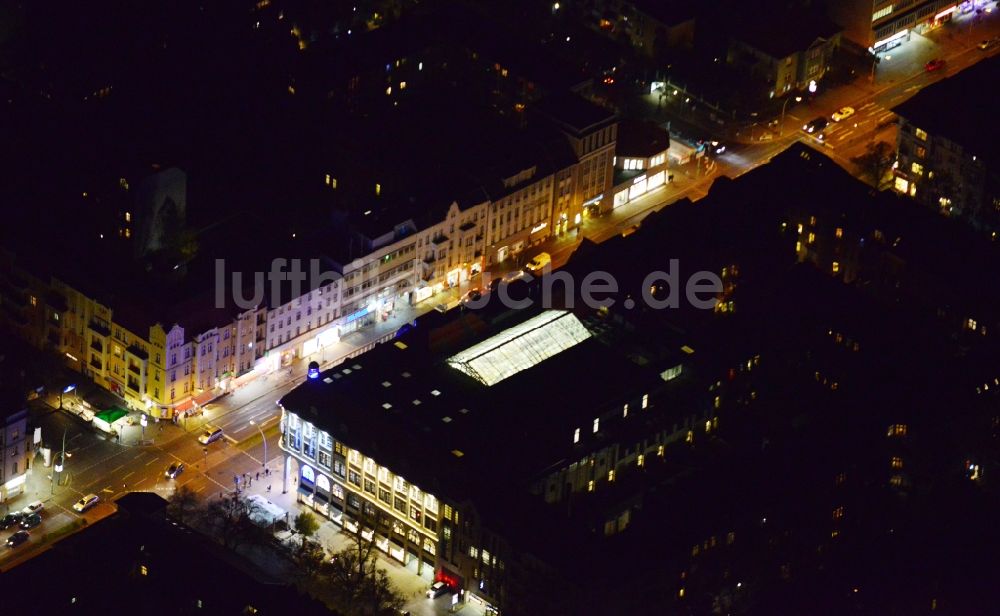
521,347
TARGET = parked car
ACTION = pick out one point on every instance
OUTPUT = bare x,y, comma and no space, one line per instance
436,590
842,114
85,503
174,470
33,507
30,521
934,65
210,435
441,308
17,538
541,260
816,126
11,519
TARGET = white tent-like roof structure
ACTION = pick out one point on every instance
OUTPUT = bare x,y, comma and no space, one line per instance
521,347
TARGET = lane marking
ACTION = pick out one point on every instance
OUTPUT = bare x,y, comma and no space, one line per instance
129,475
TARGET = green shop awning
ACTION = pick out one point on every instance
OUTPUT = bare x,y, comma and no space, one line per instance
112,415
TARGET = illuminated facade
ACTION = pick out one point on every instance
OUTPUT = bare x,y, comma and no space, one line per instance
351,488
153,369
883,25
640,164
950,166
15,446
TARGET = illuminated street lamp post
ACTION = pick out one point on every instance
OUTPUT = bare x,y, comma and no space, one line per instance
57,467
781,125
263,438
65,390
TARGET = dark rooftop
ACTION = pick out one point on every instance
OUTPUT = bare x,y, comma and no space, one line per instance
139,555
969,128
574,112
669,12
641,139
778,39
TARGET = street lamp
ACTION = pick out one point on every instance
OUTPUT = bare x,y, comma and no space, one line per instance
65,390
781,125
143,422
58,466
263,438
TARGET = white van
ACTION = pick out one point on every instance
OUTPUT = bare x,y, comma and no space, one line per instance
210,435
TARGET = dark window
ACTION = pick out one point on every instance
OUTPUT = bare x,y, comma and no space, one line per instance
369,486
385,496
354,477
400,504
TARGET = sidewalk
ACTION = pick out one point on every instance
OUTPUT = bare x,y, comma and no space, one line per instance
405,578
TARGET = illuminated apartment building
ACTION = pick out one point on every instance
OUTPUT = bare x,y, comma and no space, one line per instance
952,167
15,444
440,445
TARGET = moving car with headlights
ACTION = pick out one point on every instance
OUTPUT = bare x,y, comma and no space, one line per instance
541,260
934,65
842,114
85,503
17,538
174,470
816,125
30,521
472,296
436,590
210,435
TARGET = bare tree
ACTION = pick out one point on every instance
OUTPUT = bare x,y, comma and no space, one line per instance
360,587
876,162
181,503
231,519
